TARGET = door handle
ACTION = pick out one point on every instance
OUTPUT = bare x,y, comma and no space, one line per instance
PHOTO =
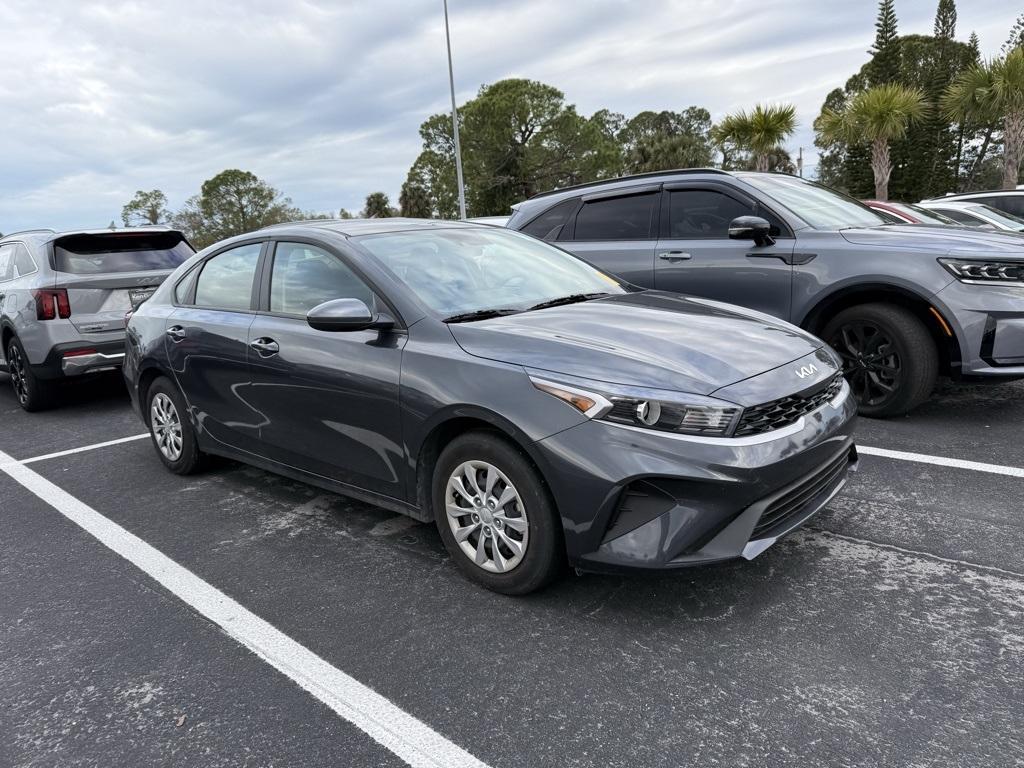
176,333
674,256
265,346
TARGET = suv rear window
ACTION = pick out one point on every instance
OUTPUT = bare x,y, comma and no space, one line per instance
119,252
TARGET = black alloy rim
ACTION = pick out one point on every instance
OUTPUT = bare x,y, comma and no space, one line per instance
870,362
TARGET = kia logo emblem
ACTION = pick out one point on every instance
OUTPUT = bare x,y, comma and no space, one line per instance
806,370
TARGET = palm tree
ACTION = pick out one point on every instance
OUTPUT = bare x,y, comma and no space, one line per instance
761,132
877,116
990,92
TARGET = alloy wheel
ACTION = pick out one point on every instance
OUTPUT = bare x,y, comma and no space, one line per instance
870,362
487,516
163,417
16,369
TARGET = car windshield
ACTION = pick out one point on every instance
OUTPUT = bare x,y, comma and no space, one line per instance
925,216
464,270
1002,218
819,206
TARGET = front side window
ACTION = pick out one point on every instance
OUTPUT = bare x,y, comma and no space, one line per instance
617,218
305,276
961,217
460,270
703,213
226,279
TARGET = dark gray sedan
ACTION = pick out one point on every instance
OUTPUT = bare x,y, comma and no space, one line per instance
538,410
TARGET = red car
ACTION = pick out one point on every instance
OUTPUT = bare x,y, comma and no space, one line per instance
905,213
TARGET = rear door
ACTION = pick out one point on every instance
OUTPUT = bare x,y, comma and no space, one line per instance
207,342
695,255
328,400
617,231
103,273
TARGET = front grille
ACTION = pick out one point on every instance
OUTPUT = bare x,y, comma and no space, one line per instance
794,501
786,410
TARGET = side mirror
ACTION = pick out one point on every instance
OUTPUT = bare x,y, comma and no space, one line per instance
751,228
346,315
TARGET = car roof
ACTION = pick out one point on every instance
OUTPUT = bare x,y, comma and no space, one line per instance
953,196
355,227
960,205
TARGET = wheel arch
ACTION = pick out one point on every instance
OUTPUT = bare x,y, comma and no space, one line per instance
933,315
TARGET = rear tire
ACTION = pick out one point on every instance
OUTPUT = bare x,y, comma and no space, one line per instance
889,357
170,429
31,392
504,532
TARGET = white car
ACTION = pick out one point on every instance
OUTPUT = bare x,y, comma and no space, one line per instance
494,221
972,214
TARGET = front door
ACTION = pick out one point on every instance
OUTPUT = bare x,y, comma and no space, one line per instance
696,256
207,339
328,400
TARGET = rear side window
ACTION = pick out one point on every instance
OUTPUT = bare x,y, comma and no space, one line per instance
23,263
226,280
617,218
305,276
119,252
961,217
549,225
7,261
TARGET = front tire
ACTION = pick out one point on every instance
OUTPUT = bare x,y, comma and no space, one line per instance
495,516
32,393
889,357
170,429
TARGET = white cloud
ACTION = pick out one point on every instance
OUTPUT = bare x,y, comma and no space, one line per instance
324,99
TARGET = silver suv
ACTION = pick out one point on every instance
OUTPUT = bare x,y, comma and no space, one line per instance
63,299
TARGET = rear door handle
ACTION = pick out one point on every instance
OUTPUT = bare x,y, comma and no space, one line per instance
674,256
176,333
265,346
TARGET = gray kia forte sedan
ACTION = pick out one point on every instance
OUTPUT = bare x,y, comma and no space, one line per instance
540,411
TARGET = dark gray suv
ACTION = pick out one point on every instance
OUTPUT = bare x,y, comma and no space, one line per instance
900,303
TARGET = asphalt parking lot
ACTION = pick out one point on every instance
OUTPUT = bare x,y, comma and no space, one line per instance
890,632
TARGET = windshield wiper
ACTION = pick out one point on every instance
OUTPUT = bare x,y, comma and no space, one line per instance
572,299
480,314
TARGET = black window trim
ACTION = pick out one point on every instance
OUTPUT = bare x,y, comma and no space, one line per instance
23,244
261,300
655,225
565,228
713,185
190,299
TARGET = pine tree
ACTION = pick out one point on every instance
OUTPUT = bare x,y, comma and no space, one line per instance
1016,38
885,62
975,48
945,20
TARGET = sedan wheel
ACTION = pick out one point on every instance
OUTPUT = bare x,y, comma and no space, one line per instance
163,418
487,516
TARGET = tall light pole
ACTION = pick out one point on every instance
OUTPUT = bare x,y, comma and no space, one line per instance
455,118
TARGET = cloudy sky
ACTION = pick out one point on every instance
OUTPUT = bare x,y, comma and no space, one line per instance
323,98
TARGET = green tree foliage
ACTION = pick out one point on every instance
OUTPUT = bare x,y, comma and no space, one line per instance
1016,38
518,137
345,214
760,132
414,201
656,141
377,206
994,92
885,54
146,208
231,203
876,116
945,20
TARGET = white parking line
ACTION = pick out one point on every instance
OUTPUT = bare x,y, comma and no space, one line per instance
407,737
92,447
942,461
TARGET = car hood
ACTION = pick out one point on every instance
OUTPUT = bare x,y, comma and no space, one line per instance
647,339
943,241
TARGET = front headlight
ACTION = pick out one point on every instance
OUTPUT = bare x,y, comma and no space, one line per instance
647,409
985,272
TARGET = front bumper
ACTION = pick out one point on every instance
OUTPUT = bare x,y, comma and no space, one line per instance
990,328
637,499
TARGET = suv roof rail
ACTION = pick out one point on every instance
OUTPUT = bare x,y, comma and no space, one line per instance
647,175
26,231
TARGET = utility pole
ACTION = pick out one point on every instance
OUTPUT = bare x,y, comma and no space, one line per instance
455,118
800,162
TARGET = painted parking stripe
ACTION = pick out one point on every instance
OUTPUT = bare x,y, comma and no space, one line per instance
407,737
84,448
942,461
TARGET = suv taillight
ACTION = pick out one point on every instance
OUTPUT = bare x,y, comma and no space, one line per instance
52,303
